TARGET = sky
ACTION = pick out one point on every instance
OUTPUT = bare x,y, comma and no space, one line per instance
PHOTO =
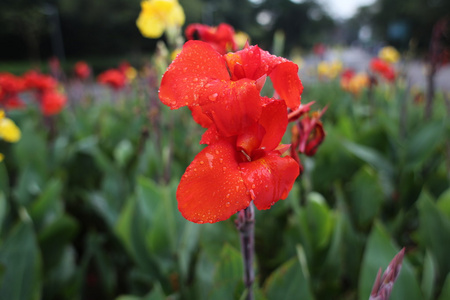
343,8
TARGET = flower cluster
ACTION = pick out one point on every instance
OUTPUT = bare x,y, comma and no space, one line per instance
329,70
354,82
8,130
82,70
243,159
118,78
45,88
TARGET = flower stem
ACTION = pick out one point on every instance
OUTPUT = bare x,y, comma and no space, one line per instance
245,223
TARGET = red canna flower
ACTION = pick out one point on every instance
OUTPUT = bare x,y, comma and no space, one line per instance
232,171
227,86
221,38
82,70
242,161
39,81
113,78
379,66
52,102
10,87
307,134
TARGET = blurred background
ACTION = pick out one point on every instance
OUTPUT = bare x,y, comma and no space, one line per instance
36,30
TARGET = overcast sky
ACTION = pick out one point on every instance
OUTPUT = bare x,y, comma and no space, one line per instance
344,8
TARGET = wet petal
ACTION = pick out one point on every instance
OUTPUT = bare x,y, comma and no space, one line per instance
274,120
195,66
212,188
287,84
269,178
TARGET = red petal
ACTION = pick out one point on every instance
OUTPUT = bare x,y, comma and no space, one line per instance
197,65
212,188
287,84
235,106
274,120
269,178
200,117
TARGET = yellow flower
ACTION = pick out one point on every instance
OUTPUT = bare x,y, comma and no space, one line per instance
329,69
1,157
8,130
157,15
241,38
130,73
389,54
357,83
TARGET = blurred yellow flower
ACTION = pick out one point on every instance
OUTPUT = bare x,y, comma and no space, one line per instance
329,69
389,54
241,38
158,15
8,130
130,73
357,83
1,157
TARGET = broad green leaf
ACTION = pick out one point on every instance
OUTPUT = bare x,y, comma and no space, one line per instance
123,152
228,275
319,220
4,209
380,250
429,276
288,282
157,293
366,196
434,232
370,156
422,144
48,205
4,179
445,293
443,203
19,255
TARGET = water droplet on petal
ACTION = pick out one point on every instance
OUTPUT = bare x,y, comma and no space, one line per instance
221,160
213,97
227,204
228,196
217,151
224,168
253,186
202,162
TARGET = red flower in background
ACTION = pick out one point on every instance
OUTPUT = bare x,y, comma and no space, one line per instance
113,78
38,81
221,38
10,87
52,102
379,66
307,133
242,161
82,70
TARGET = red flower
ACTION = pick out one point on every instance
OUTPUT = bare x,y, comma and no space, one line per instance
231,172
379,66
10,86
112,77
82,70
39,81
227,87
221,38
307,134
242,161
52,102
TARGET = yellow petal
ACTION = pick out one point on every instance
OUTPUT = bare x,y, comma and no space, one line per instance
1,157
150,25
9,131
389,54
176,16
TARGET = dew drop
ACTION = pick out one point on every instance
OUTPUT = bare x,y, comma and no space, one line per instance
202,162
228,196
253,186
221,160
200,222
224,168
227,204
237,188
213,97
217,151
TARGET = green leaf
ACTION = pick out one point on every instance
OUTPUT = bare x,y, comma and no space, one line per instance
288,282
370,156
366,196
319,220
123,152
228,275
4,209
422,144
434,232
443,203
380,250
445,293
429,276
47,206
19,255
4,179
